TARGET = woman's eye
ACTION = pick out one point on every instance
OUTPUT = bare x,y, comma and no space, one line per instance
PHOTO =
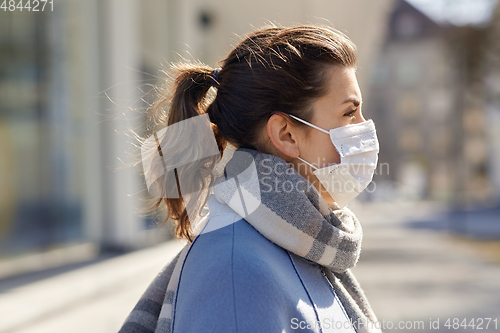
351,113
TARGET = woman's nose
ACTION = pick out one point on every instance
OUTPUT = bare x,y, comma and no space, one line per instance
360,119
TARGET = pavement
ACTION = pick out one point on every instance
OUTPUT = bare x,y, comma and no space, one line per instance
95,298
411,275
478,223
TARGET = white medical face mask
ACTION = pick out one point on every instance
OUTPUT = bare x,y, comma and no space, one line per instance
358,147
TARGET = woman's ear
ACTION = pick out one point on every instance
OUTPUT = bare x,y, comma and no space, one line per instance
283,135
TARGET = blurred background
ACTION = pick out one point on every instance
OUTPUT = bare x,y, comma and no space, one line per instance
72,234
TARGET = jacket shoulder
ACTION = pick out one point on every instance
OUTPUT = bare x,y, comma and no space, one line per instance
235,279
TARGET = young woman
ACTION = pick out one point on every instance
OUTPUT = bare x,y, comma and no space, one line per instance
274,252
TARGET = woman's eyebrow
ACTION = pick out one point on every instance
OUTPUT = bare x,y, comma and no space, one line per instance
352,100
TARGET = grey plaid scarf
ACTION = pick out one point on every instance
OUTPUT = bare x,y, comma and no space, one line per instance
285,208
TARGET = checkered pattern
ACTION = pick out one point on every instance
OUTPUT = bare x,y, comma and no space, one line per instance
290,212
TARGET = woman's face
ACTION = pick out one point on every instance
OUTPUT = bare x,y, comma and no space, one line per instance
339,107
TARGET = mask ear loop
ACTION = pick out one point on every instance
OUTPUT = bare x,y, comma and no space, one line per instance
312,166
305,122
316,127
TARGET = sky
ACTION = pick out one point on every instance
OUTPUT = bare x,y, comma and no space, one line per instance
457,12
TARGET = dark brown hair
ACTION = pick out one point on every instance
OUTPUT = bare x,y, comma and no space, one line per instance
274,69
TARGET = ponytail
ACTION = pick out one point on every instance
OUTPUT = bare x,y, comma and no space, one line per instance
189,99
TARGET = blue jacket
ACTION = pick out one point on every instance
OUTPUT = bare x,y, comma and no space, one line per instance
235,280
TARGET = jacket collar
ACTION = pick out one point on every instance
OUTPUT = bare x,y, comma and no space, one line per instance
224,214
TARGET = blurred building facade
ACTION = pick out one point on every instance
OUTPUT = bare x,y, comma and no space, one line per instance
70,87
428,95
491,84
